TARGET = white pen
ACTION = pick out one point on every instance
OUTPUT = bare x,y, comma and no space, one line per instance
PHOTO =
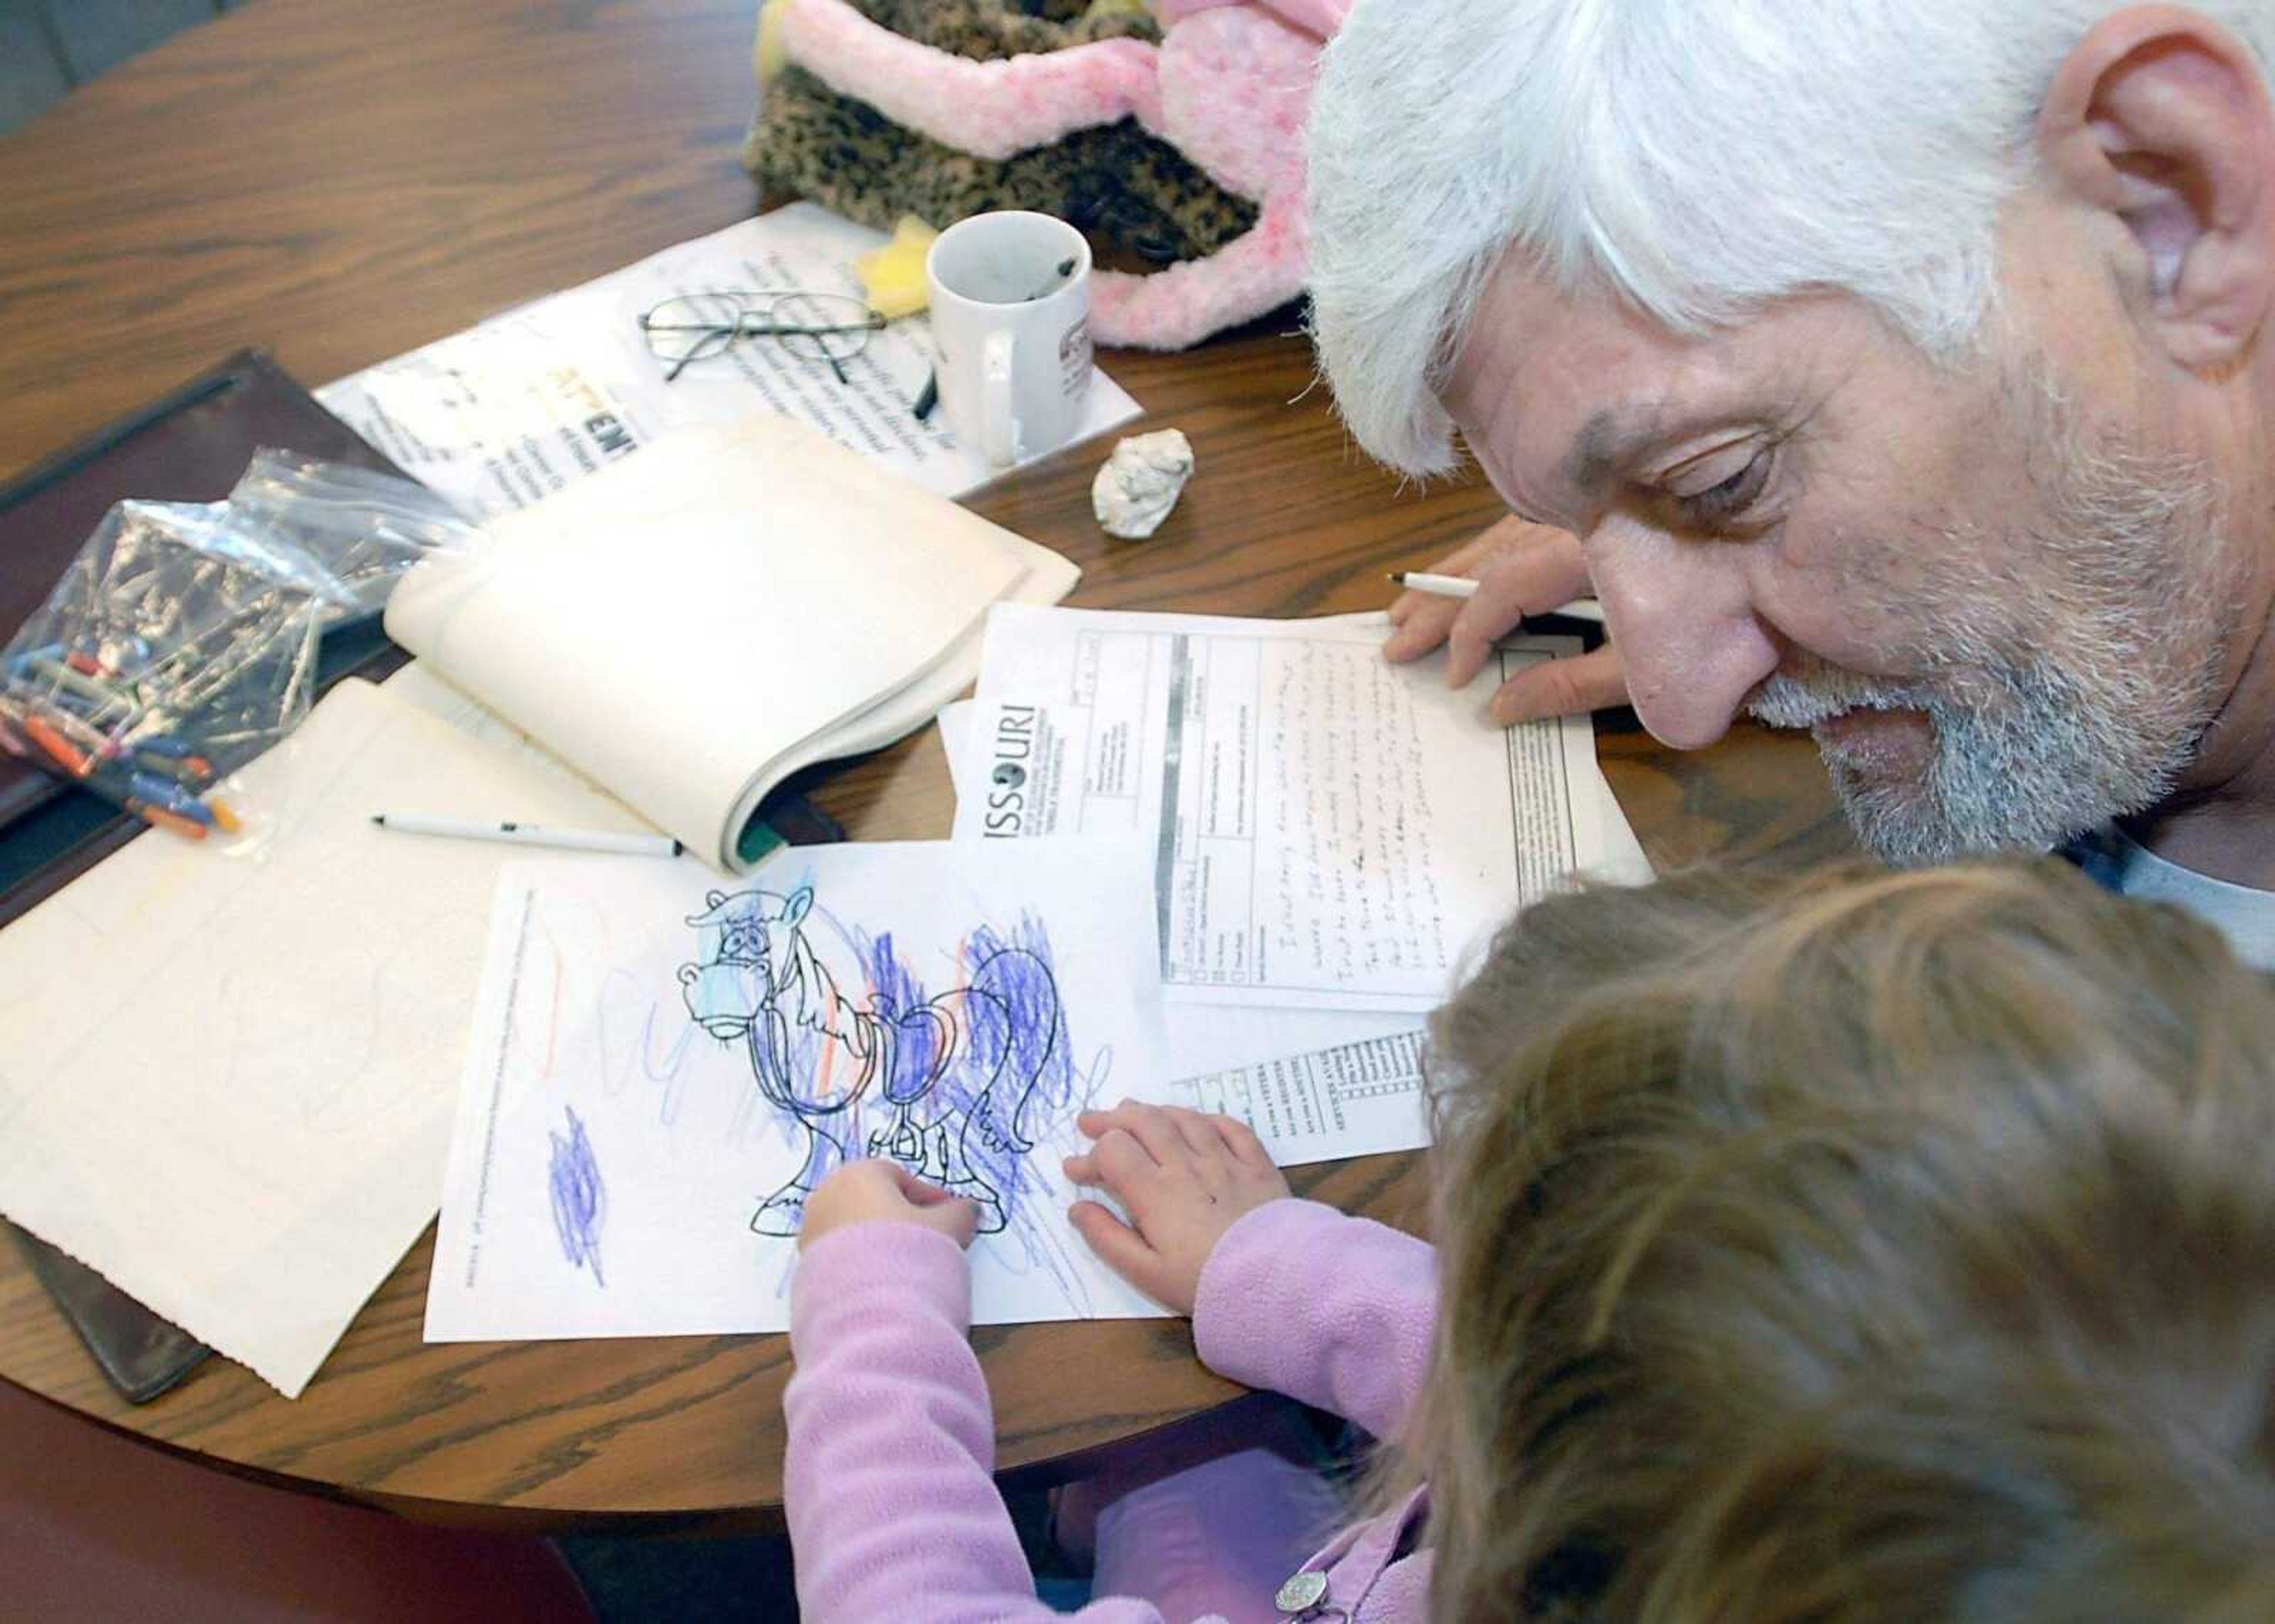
1461,586
533,834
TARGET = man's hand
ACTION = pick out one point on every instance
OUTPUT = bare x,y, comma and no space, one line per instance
1521,569
862,1190
1183,1177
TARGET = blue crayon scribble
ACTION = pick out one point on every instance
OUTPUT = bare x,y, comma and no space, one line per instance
580,1203
860,1058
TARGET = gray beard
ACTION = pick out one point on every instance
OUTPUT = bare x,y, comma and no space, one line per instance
2067,679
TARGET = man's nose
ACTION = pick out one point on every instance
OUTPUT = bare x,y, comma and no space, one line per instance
1682,615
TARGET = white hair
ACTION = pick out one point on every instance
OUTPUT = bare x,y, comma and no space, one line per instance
1699,157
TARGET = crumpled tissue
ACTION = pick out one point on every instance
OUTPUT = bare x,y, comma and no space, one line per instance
1138,485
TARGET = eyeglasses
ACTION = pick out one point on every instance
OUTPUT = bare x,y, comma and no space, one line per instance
815,326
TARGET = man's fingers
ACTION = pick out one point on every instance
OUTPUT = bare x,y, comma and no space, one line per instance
1474,554
1529,580
1118,1246
1589,682
1421,618
1420,622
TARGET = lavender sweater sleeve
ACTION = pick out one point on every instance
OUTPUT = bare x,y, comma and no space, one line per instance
892,1509
1336,1311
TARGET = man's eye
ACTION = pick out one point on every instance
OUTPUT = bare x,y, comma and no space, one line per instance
1717,504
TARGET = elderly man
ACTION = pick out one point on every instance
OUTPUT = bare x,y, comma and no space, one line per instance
1899,372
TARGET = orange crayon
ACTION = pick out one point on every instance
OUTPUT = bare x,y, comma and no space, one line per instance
159,818
73,761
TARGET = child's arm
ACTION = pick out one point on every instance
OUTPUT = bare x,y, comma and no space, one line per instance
893,1512
1286,1295
1335,1310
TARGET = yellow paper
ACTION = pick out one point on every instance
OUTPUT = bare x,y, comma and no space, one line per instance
894,275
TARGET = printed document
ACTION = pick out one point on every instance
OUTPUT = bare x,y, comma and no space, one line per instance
1331,831
504,414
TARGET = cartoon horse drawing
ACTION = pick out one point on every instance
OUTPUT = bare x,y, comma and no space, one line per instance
937,1084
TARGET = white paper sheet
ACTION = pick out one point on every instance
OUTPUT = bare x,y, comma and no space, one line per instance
662,1065
1332,831
228,1074
507,412
1352,1100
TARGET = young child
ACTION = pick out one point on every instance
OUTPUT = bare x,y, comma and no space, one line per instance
1852,1249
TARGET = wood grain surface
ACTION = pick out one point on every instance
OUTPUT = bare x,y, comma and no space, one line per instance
339,181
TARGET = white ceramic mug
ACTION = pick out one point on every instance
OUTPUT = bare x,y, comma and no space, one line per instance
1010,312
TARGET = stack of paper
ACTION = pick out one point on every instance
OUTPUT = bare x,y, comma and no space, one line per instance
229,1074
1333,836
1230,863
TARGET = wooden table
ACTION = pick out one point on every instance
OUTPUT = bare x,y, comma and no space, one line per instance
340,181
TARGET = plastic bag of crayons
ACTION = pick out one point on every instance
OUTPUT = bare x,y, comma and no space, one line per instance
181,643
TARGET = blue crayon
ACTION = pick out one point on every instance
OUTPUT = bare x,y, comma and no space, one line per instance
170,756
21,665
168,796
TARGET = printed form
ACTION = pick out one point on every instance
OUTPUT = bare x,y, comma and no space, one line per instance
1331,832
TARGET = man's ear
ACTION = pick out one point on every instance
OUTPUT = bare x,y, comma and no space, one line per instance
2160,118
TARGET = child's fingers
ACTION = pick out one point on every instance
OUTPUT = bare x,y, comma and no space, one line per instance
1118,1246
1122,1164
1241,1140
1194,1130
872,1172
1152,1127
918,1192
1082,1169
952,1215
1098,1124
1142,1122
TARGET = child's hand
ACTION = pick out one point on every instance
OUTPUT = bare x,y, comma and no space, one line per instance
862,1190
1183,1177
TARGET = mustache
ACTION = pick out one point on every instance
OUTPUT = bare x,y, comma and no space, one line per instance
1816,691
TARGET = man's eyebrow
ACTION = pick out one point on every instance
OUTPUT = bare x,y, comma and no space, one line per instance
1613,438
1593,451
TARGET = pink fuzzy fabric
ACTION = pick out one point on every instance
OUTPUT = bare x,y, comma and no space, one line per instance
1229,87
892,1442
989,108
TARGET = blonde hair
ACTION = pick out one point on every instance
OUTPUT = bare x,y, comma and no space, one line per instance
1861,1247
